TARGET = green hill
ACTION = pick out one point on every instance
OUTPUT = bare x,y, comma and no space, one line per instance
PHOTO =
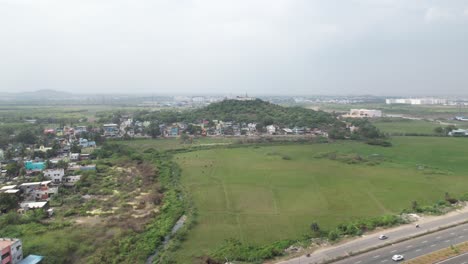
262,112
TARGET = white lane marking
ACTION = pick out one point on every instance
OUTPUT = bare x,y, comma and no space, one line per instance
465,229
377,256
461,236
385,260
464,262
452,234
446,241
357,262
438,237
417,250
424,242
409,246
433,245
393,251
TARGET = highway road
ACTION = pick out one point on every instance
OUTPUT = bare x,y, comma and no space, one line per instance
414,248
371,240
462,259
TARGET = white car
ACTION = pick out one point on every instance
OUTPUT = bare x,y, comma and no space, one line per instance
397,257
382,237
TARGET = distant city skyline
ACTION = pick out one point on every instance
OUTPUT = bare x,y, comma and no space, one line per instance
259,47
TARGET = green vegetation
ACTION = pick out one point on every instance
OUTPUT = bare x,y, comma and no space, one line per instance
118,214
399,126
256,111
255,199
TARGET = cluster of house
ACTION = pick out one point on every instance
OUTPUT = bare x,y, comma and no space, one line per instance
36,195
363,113
205,128
12,252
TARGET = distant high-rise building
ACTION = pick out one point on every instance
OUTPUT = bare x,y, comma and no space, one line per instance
417,101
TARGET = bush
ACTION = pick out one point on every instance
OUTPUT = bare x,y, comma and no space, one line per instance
379,142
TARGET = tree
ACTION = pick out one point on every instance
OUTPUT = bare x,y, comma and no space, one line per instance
61,164
8,202
414,205
75,148
439,130
26,137
184,138
12,169
153,130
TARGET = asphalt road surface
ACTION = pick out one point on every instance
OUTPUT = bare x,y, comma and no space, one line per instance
372,240
414,248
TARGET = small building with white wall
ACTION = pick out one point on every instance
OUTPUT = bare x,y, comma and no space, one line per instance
55,175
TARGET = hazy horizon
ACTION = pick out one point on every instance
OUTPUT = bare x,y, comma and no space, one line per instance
274,47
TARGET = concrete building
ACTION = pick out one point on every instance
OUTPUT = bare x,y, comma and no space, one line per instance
34,166
271,129
71,180
38,191
56,175
458,133
417,101
12,250
111,130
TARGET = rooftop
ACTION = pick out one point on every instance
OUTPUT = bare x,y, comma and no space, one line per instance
32,259
5,242
33,204
8,187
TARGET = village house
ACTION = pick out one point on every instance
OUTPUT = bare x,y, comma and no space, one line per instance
56,175
42,149
80,129
71,180
34,191
84,143
32,259
49,131
34,166
76,167
11,250
298,130
25,206
271,129
7,188
74,156
111,130
458,133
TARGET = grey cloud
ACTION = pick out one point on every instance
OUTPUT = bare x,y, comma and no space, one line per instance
254,46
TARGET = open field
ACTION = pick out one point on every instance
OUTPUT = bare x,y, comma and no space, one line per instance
175,143
407,126
424,111
264,194
399,126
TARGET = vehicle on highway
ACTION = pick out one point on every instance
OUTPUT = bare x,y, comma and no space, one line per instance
397,257
383,237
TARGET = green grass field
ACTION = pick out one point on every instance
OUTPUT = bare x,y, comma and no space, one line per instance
175,143
407,126
257,196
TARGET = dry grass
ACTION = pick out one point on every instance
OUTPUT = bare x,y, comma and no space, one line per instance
440,255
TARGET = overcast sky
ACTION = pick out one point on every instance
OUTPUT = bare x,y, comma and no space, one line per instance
381,47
